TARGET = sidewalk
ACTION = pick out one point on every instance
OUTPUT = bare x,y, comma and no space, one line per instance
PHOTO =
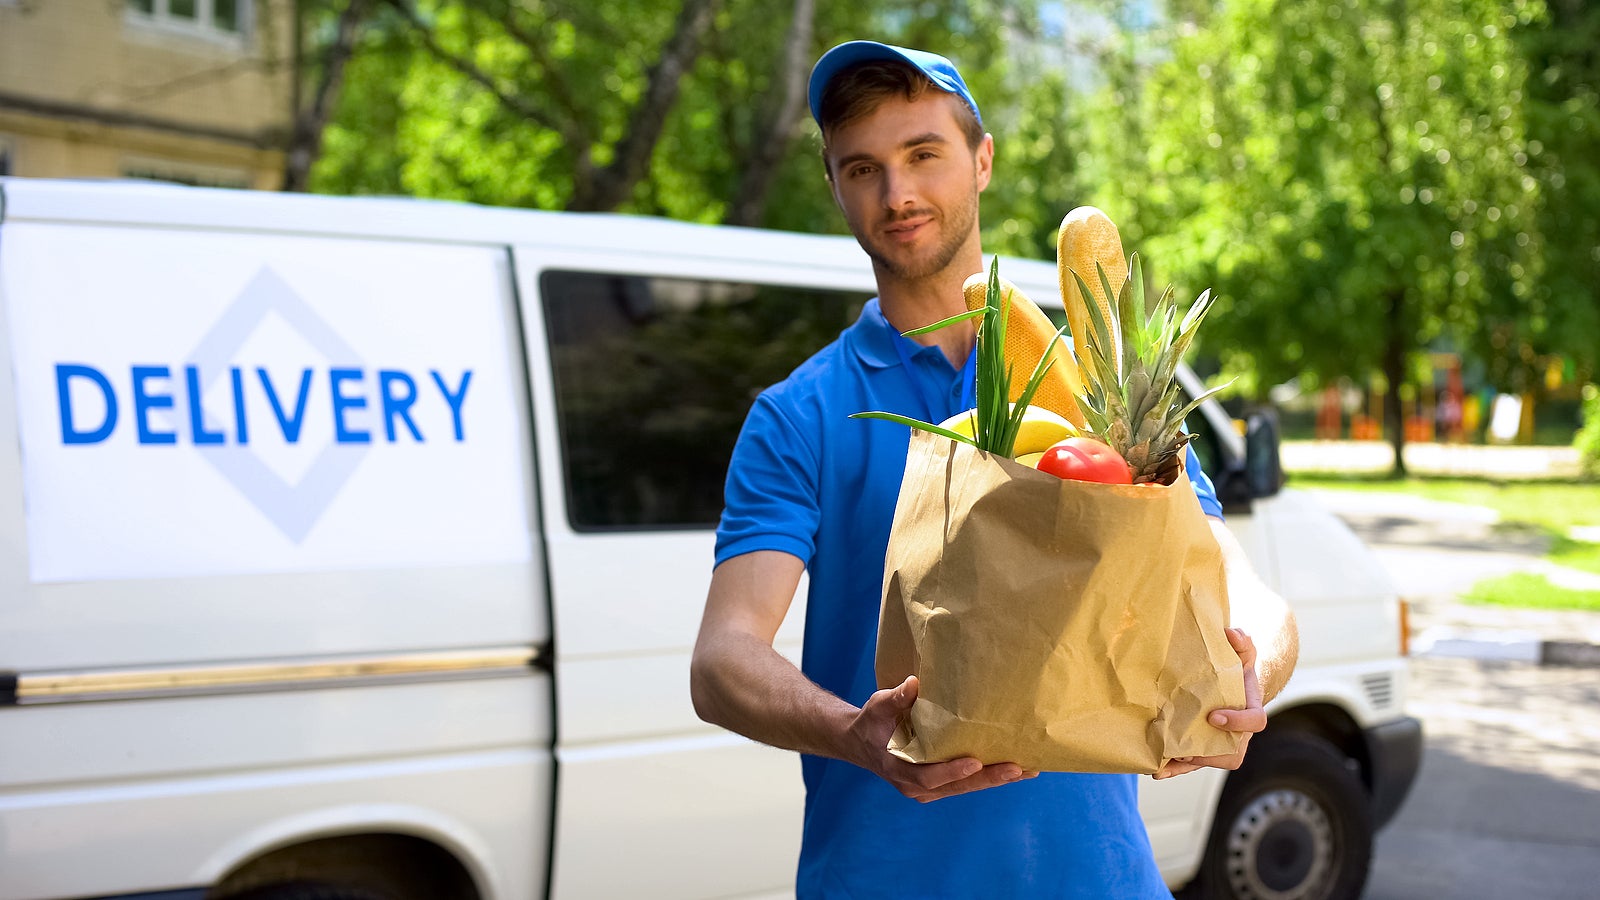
1435,551
1493,461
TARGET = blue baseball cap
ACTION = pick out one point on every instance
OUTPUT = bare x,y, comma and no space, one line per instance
942,72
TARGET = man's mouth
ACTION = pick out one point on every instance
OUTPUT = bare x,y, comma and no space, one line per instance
906,229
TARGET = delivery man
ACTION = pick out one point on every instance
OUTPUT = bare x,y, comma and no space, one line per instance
811,490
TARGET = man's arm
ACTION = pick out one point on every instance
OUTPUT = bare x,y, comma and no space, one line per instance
1261,613
1257,611
738,681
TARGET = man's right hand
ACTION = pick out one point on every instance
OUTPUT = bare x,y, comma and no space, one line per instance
923,782
737,680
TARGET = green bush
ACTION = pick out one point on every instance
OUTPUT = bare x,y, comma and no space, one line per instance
1588,439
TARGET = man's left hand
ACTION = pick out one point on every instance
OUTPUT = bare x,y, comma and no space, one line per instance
1247,721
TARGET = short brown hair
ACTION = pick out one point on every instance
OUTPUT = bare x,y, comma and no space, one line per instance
855,92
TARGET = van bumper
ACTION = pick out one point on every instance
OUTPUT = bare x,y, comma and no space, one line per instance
1395,749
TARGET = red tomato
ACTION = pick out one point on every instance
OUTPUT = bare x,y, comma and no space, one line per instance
1085,459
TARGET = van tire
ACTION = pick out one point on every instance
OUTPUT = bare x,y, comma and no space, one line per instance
308,890
1293,824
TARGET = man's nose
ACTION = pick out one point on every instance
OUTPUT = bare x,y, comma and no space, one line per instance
899,191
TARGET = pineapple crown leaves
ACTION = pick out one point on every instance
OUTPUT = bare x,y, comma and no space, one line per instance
998,420
1131,397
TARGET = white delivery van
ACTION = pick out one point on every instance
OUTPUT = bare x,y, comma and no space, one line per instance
354,549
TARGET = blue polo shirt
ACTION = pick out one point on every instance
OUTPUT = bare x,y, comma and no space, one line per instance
808,480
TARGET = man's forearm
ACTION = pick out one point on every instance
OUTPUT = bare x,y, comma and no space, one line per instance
741,683
1262,614
1277,655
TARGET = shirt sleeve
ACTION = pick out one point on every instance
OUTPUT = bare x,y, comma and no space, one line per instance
1204,490
770,498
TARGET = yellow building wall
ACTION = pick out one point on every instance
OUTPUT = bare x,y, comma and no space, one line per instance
96,89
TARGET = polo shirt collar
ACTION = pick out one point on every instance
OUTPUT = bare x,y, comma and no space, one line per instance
873,338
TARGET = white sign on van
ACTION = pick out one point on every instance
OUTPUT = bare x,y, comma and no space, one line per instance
197,403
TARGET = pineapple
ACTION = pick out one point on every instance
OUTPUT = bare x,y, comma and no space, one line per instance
1128,360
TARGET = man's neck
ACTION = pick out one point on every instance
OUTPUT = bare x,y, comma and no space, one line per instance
913,304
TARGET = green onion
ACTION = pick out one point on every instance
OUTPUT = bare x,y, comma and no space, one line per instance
998,420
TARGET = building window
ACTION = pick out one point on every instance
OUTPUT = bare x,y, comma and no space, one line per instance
217,17
654,377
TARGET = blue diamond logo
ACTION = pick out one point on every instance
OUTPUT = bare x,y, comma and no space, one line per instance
293,508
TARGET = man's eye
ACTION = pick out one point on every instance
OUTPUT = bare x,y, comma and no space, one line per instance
860,171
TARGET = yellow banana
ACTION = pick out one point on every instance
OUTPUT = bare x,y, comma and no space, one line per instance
1040,429
1037,435
1088,236
1028,332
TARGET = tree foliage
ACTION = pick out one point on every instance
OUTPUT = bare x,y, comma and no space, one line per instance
692,109
1351,176
1360,180
1560,312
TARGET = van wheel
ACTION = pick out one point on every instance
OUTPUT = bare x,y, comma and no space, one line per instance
1293,824
308,890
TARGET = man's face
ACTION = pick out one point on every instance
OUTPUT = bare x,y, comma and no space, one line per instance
908,183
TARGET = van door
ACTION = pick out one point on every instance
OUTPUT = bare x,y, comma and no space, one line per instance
268,567
642,370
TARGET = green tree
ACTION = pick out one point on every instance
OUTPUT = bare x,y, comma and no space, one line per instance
1560,314
1351,176
1036,168
692,109
323,42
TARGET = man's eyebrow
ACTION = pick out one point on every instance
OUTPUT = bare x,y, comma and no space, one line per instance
928,137
931,137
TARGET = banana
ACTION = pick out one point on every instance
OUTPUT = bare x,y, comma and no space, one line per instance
1028,331
1088,236
1040,429
963,423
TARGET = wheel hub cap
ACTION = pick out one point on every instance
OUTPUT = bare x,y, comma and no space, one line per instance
1280,847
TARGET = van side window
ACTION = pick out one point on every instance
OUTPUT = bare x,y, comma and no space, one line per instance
653,378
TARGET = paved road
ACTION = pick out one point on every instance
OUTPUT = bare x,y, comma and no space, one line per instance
1508,802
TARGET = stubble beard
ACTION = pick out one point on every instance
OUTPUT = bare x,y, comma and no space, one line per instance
960,221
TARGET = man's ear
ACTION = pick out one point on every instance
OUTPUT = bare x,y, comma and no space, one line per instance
985,160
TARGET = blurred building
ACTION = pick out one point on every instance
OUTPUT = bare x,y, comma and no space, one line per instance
194,91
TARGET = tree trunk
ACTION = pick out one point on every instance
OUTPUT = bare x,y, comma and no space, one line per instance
1395,344
779,127
305,143
610,186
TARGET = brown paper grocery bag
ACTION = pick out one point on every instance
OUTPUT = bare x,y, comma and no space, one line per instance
1059,625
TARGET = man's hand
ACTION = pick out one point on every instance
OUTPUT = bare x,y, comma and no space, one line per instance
1247,721
739,682
921,782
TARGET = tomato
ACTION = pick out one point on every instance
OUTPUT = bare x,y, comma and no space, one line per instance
1085,459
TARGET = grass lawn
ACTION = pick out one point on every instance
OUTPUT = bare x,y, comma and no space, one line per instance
1527,590
1553,507
1575,554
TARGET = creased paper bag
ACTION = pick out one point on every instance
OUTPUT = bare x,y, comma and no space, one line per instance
1059,625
